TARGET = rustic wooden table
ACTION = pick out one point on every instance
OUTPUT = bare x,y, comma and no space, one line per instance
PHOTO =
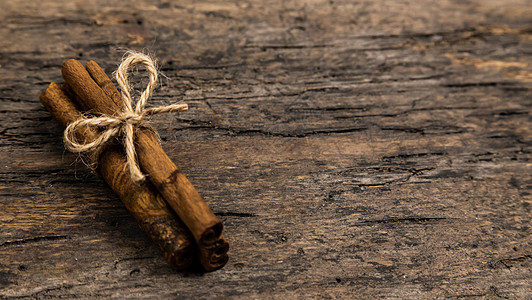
352,149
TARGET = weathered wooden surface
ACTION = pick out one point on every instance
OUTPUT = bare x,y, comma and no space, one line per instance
352,149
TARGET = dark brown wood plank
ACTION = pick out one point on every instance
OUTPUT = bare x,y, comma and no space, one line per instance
352,149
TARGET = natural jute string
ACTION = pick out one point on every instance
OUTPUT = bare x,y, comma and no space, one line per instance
124,123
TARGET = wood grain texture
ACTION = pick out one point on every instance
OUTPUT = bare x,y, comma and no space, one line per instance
351,149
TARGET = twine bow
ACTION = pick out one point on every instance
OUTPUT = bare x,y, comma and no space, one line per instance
124,123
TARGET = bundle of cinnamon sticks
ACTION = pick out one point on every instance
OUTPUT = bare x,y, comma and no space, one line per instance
167,207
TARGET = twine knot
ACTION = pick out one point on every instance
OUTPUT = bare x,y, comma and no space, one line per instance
125,122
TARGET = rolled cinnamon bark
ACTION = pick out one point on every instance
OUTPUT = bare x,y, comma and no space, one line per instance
144,204
163,173
212,256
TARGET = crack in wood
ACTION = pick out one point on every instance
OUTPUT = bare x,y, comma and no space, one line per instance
234,214
404,220
35,240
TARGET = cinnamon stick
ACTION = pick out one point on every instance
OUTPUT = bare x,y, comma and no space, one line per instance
211,256
163,173
144,204
214,256
212,246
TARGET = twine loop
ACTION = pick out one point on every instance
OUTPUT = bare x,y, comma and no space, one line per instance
125,122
